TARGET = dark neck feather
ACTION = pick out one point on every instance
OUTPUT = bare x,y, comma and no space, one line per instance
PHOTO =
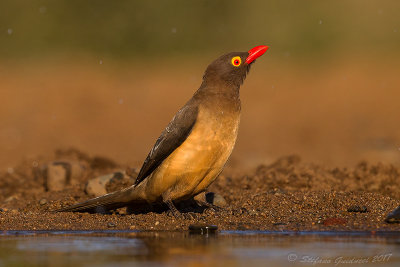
219,88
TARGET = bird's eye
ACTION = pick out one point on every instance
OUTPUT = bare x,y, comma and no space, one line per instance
236,61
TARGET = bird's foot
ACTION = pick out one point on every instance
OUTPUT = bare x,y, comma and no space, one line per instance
209,205
176,213
208,199
182,215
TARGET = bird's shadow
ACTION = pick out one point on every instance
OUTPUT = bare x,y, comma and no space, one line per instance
187,206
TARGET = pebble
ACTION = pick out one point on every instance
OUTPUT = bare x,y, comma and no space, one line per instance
357,208
253,212
117,176
97,186
43,201
202,229
58,174
77,171
394,216
11,198
56,177
157,223
215,199
122,211
111,225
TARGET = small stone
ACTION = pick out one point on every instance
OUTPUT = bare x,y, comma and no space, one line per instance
394,216
111,225
122,211
357,208
279,224
43,201
77,171
132,227
216,199
97,186
100,210
11,198
56,177
202,229
253,212
157,223
118,176
58,174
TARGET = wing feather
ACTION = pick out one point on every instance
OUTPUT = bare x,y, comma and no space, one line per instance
170,139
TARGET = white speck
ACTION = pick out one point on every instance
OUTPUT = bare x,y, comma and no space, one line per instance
35,164
101,61
320,22
42,9
10,170
120,101
157,223
173,30
9,31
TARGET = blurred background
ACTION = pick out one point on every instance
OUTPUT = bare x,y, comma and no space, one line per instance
107,76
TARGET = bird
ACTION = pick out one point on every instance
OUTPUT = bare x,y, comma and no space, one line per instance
194,147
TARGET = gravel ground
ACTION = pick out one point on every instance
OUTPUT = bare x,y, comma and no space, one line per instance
285,195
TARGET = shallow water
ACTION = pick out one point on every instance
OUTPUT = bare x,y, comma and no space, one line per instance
225,248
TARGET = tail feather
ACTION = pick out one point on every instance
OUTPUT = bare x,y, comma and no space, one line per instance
104,203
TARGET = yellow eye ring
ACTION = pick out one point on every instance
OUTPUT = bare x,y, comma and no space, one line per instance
236,61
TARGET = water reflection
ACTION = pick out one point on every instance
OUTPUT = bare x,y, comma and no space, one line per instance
243,248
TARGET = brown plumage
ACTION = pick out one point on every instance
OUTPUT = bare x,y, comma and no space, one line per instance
193,149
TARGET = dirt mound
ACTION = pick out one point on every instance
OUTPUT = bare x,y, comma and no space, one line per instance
288,173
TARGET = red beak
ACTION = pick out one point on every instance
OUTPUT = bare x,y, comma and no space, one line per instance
256,52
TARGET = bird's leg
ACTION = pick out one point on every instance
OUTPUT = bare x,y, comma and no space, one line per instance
201,200
173,209
177,214
208,205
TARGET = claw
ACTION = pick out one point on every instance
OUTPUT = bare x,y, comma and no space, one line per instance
175,212
180,215
209,205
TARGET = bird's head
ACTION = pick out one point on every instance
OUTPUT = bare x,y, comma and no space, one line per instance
233,67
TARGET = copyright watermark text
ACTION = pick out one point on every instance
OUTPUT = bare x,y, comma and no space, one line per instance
314,260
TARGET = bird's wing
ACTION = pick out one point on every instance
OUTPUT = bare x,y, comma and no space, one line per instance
170,139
